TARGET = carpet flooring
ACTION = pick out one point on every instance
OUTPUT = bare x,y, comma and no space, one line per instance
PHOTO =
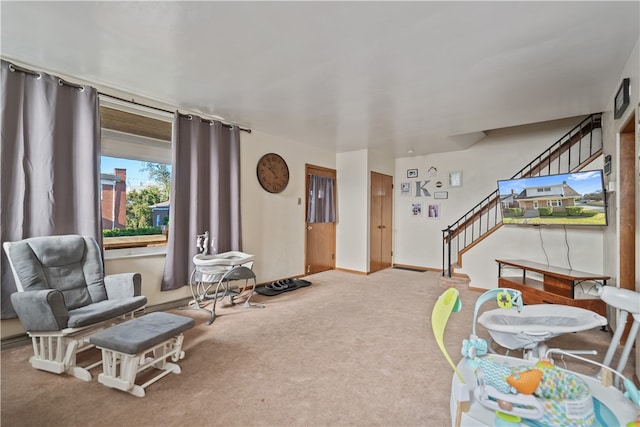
350,350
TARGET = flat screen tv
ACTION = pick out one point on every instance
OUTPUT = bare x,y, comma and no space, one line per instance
565,199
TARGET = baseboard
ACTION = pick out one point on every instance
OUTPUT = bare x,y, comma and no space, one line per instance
417,268
399,266
345,270
410,267
170,305
15,341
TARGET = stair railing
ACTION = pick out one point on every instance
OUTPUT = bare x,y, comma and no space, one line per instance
570,153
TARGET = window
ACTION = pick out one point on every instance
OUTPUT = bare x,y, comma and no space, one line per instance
135,174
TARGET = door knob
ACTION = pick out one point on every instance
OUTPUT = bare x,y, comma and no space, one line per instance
309,227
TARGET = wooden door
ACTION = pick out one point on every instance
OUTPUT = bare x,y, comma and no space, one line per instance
320,245
381,222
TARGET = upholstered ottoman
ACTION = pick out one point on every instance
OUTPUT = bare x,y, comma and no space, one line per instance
125,346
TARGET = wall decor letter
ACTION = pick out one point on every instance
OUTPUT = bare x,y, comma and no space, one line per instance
419,187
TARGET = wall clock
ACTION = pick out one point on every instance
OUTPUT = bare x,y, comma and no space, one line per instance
273,173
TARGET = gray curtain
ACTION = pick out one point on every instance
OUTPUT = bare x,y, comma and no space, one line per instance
50,155
321,206
205,193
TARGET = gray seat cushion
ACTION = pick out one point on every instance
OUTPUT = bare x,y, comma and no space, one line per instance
104,310
137,335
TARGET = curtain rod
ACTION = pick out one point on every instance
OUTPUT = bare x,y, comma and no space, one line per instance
171,112
37,75
61,82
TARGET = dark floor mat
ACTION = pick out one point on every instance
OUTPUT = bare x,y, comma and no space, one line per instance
289,285
276,288
301,282
263,290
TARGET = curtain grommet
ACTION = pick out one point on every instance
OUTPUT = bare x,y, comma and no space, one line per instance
14,68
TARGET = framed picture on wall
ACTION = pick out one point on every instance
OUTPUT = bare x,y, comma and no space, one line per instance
455,179
621,101
433,211
416,209
412,173
405,189
440,194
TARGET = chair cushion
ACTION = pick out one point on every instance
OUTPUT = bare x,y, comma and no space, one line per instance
137,335
70,263
103,310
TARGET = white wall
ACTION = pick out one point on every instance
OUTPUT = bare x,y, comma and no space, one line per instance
352,229
273,225
583,250
418,240
151,268
381,161
354,198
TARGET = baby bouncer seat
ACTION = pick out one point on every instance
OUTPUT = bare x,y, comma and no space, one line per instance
530,327
497,390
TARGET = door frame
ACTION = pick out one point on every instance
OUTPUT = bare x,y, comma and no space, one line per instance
329,172
627,171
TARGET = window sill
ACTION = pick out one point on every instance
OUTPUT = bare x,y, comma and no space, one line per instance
123,253
134,241
134,246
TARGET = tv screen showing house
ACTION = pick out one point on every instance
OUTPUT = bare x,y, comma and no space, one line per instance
564,199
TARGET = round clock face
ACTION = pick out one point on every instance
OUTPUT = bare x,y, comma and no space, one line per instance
273,173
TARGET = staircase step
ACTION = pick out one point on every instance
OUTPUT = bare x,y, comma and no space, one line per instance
457,282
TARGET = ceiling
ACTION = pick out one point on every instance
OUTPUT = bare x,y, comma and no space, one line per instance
398,76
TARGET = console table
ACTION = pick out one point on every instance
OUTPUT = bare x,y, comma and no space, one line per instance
558,285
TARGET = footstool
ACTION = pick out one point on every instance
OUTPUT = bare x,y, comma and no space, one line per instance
125,346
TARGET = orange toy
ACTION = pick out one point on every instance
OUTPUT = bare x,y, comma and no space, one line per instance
526,382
